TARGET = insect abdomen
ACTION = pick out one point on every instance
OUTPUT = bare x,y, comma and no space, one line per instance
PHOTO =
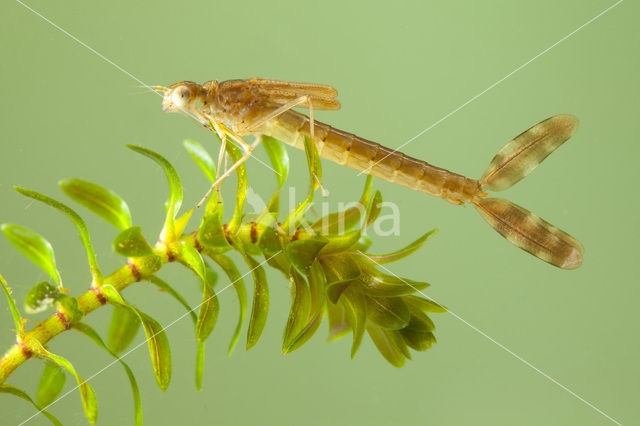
372,158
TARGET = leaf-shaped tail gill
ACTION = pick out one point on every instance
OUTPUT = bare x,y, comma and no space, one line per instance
531,233
522,154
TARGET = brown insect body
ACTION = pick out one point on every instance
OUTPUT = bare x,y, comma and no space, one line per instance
363,155
264,107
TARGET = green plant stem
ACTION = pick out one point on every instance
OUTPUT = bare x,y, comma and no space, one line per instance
57,323
136,269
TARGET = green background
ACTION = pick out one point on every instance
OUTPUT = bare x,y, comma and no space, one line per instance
400,67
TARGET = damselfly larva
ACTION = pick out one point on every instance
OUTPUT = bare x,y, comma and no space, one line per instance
265,107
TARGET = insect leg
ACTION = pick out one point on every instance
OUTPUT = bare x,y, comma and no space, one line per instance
221,155
248,150
210,122
223,148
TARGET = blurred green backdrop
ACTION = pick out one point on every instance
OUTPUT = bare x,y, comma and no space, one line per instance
400,67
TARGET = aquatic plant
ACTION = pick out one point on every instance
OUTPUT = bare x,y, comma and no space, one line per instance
326,263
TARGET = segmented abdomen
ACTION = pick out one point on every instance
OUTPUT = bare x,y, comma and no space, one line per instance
372,158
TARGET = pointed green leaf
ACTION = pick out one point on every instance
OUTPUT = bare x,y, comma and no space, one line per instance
404,252
89,402
336,288
315,176
35,247
182,222
317,286
418,334
386,345
235,278
260,308
382,285
280,161
398,340
202,158
81,227
159,349
103,202
425,305
419,320
278,156
95,337
131,243
354,304
41,296
242,186
417,340
340,243
208,315
17,318
388,312
341,222
51,384
11,390
69,307
340,268
123,329
192,259
164,286
300,307
314,164
269,216
374,208
305,334
302,253
338,322
211,233
175,189
280,262
269,243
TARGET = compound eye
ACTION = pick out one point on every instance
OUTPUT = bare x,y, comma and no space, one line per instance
181,96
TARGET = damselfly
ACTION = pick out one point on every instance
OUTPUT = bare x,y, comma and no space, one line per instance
236,108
